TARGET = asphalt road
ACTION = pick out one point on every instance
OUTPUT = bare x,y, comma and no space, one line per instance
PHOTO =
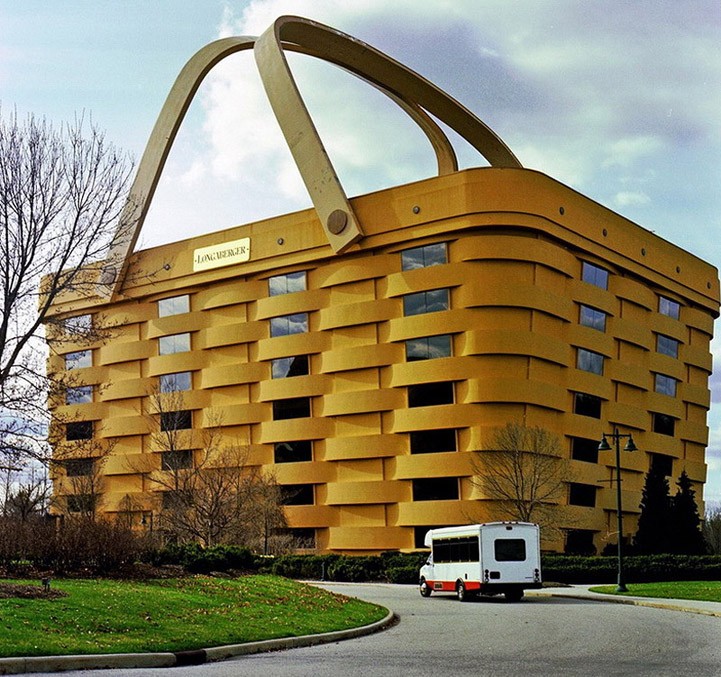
536,637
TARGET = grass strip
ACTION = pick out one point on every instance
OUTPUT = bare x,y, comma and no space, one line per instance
106,616
707,591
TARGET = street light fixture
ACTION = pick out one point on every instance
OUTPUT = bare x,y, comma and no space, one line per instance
630,446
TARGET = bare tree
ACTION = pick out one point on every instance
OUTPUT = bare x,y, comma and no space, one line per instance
61,193
208,492
524,473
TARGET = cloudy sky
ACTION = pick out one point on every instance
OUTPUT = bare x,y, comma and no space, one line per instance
620,100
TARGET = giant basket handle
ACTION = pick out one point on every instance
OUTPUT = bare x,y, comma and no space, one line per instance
413,93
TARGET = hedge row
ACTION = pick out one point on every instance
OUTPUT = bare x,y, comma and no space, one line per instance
394,567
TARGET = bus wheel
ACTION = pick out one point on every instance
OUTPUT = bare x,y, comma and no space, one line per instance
425,588
461,592
515,595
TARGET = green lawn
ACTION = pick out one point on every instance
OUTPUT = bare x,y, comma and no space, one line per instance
102,616
698,590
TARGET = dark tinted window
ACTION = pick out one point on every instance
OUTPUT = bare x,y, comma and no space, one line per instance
294,407
430,394
296,494
510,550
580,542
431,441
582,494
178,459
435,489
293,452
583,449
460,549
663,424
587,405
79,467
79,430
81,503
176,420
662,463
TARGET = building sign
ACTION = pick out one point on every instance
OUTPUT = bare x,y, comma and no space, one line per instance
219,255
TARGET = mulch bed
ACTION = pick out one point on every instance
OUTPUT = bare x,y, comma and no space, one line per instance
8,590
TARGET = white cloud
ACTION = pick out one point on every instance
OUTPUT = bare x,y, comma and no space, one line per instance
626,198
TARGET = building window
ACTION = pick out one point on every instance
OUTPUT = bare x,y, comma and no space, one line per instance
294,407
79,467
662,463
176,420
580,542
668,307
428,348
79,359
431,441
79,430
79,324
582,494
435,489
79,395
297,494
667,345
177,499
430,394
590,317
666,385
594,275
587,405
293,452
175,305
287,367
287,284
583,449
663,424
175,383
419,536
587,360
424,257
425,302
289,324
81,503
175,343
177,459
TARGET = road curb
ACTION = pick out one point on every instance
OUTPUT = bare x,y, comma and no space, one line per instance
18,666
635,601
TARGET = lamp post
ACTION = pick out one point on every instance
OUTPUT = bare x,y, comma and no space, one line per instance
630,446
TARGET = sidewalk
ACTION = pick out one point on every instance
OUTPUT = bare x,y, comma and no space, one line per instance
583,592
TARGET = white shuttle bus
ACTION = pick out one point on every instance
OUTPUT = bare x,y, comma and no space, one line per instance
487,559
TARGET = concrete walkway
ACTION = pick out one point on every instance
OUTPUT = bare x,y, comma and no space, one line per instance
583,592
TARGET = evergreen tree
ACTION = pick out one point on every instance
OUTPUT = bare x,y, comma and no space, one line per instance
686,535
653,535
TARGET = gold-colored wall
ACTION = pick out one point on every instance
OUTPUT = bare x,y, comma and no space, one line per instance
516,242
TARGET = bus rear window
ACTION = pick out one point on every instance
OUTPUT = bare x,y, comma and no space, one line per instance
510,550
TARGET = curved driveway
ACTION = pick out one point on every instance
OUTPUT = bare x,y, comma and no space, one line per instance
536,637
